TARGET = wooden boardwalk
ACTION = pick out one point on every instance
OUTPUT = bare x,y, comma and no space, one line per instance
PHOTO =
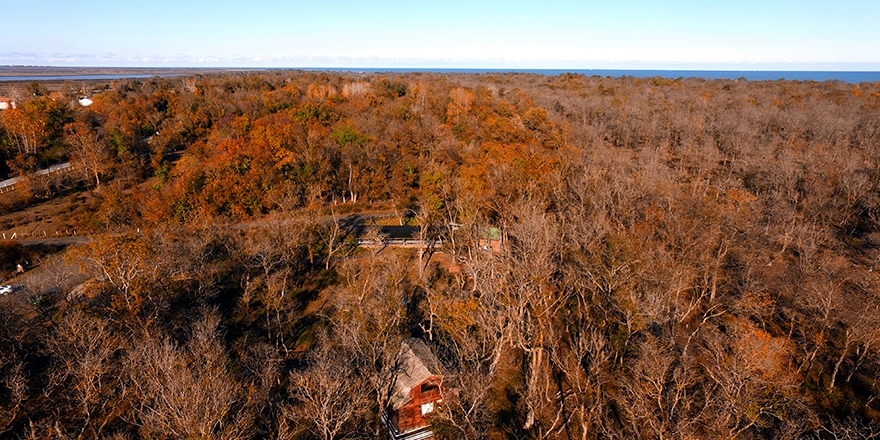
11,184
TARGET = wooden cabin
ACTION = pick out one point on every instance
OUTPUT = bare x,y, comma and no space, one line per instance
416,392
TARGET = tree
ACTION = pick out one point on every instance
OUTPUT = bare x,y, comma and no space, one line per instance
187,391
87,148
85,348
370,321
15,382
36,128
330,399
331,235
750,384
127,264
376,238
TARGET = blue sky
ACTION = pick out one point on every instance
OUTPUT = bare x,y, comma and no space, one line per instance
606,34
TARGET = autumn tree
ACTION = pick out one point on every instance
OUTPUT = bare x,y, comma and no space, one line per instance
87,148
127,265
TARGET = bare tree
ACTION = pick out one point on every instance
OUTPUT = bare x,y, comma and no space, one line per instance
85,347
330,400
370,322
376,239
750,383
187,390
850,429
583,361
16,384
427,217
474,339
331,236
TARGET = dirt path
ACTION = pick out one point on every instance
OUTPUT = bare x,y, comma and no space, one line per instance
58,241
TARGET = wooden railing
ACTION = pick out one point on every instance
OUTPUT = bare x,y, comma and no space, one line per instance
11,184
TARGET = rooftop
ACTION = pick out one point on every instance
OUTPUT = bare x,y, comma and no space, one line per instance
416,364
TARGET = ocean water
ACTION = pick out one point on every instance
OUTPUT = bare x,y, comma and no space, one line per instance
78,77
751,75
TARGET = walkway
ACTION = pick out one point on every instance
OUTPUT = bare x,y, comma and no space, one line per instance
9,184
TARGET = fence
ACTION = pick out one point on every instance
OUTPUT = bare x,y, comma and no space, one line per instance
35,235
11,184
400,242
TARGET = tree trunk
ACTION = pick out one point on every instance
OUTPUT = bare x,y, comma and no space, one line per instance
840,359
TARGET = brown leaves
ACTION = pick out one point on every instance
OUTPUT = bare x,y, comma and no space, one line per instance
186,390
127,265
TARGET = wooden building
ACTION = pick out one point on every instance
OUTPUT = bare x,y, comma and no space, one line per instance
416,392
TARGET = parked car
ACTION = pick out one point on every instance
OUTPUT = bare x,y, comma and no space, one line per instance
7,289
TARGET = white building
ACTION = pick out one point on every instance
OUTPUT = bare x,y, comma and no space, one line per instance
6,103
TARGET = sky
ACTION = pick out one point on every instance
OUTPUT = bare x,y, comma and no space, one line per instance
548,34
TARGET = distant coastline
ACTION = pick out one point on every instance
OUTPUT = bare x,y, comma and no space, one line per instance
82,77
34,73
51,73
751,75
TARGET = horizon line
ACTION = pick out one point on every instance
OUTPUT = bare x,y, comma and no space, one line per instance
429,69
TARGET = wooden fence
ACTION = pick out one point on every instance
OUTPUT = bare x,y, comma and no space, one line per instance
11,184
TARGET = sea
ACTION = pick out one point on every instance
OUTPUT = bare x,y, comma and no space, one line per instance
750,75
80,77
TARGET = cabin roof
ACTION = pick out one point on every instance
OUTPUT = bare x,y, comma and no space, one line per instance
416,364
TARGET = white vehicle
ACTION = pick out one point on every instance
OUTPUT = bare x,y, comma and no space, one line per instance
6,289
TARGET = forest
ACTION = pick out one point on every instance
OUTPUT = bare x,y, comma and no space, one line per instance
679,258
